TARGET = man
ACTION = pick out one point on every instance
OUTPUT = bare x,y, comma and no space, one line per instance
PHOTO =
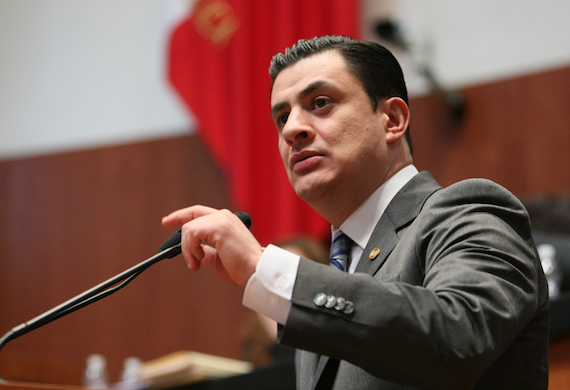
443,288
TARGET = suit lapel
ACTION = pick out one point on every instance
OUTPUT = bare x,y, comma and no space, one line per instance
401,211
306,366
323,360
383,238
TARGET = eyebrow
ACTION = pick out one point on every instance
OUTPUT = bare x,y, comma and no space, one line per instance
301,95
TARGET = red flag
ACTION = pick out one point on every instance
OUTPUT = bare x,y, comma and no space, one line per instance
219,58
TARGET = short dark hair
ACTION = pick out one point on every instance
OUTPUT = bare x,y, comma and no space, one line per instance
373,64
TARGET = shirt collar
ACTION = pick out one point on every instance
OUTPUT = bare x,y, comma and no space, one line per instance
360,224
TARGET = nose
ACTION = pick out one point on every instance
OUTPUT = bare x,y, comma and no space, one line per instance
298,128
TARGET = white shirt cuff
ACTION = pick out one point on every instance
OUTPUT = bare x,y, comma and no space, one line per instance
270,288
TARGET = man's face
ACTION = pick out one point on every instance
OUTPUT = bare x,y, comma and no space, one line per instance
330,139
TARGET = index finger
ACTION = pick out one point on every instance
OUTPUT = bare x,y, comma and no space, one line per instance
180,217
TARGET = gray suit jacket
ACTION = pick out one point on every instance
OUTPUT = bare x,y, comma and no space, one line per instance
456,298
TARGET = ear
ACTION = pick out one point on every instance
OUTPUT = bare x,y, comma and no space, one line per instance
398,118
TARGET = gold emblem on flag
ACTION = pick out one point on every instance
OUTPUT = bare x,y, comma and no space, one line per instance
216,21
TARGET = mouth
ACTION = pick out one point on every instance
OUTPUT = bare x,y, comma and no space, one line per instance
304,159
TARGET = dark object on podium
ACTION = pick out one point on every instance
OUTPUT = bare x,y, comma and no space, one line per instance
559,306
277,377
560,316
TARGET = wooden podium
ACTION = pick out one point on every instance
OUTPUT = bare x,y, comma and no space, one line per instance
278,377
34,386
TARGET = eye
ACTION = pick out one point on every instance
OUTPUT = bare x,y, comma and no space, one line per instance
320,102
282,119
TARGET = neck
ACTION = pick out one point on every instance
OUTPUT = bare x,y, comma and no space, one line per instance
336,208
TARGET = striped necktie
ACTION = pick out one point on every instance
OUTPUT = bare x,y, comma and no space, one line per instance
340,251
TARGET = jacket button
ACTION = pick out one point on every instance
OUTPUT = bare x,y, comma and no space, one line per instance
331,301
348,308
320,299
340,303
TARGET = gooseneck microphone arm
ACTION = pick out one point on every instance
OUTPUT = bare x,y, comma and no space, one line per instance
170,248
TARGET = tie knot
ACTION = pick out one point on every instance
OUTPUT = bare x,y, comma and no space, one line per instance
340,251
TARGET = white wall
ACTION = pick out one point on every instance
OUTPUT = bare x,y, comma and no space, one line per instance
80,73
478,41
77,74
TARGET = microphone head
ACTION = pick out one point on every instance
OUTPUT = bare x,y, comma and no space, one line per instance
171,241
245,218
177,237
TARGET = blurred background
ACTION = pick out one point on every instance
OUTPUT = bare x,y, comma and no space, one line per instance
114,113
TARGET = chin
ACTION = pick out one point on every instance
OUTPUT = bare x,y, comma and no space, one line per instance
311,186
310,192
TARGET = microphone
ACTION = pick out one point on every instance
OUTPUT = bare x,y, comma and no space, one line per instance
168,249
174,240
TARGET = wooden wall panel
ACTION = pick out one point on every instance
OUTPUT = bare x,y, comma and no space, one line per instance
70,221
516,132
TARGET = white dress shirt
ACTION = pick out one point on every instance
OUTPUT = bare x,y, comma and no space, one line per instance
270,288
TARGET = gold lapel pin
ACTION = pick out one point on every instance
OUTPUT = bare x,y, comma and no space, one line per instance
374,253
